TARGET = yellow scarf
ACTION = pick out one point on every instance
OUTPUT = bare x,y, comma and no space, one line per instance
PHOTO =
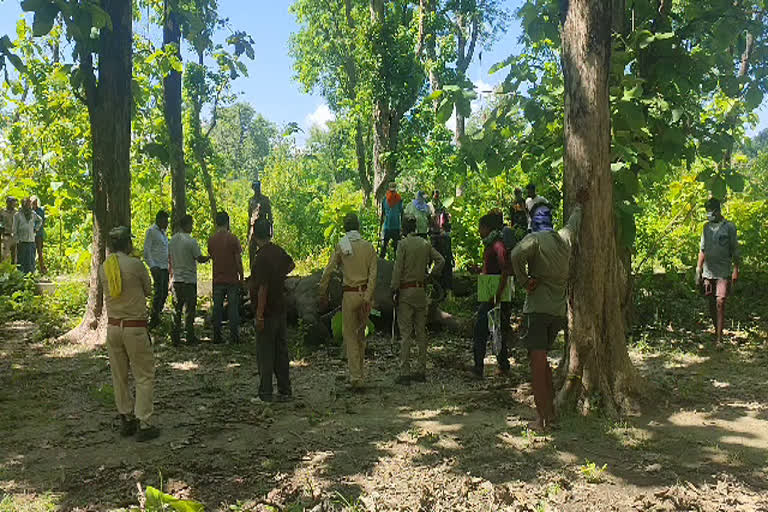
112,271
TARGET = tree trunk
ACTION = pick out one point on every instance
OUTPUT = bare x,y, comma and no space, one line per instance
109,109
172,113
362,165
597,363
386,127
200,144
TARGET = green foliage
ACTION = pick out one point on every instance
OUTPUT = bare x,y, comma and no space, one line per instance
593,473
158,501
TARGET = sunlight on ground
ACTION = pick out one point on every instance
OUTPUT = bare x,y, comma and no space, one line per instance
184,366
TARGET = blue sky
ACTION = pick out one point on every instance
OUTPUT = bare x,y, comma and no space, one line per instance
270,87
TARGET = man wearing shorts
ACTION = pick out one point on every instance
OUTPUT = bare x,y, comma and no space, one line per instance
540,263
719,250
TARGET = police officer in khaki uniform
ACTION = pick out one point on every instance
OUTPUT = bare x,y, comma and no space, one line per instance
126,287
359,263
414,256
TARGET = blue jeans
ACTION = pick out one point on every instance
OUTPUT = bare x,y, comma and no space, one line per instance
232,293
25,252
482,331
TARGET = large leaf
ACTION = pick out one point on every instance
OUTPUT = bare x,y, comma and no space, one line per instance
753,97
158,501
444,111
718,187
493,164
44,19
735,182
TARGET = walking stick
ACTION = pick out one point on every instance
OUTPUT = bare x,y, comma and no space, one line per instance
393,340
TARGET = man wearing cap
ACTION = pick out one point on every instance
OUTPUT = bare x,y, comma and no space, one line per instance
185,254
156,256
126,285
541,265
259,210
9,241
414,257
718,251
357,257
391,219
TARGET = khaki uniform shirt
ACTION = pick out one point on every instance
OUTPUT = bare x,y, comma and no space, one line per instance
545,256
414,256
358,269
132,302
7,220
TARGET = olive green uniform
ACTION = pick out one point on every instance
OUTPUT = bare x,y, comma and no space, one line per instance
414,256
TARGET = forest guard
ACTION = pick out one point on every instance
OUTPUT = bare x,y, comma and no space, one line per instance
359,264
718,252
156,257
541,265
390,223
126,285
409,280
259,210
6,217
270,266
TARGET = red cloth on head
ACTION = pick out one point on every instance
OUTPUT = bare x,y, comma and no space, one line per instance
393,198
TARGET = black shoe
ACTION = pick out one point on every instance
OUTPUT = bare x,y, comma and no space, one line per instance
193,341
477,373
266,398
419,377
128,425
147,434
280,397
217,341
403,380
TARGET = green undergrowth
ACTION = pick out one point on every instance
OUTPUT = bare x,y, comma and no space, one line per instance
54,314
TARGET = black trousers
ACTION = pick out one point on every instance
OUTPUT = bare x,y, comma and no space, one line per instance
482,331
272,354
186,301
160,285
389,234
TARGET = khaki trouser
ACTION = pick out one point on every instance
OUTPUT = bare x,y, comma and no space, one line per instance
354,322
413,324
130,346
8,248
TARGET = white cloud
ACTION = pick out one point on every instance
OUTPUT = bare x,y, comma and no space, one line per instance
320,117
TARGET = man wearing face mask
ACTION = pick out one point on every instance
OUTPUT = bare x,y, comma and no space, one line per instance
718,252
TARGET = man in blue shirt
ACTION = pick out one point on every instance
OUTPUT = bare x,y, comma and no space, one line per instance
391,219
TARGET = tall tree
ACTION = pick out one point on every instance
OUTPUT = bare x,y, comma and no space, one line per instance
596,359
172,111
341,70
106,91
398,79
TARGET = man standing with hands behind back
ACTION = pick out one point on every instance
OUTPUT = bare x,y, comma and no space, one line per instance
719,248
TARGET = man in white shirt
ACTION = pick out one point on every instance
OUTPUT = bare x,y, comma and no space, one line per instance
156,256
185,255
25,225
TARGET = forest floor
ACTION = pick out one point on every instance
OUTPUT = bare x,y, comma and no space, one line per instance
700,443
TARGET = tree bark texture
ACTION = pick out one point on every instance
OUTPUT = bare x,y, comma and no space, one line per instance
109,108
172,113
598,369
465,42
201,143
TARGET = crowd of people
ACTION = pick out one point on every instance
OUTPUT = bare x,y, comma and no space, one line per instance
523,248
23,233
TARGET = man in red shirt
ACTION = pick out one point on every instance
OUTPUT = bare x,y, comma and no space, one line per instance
226,253
494,263
270,265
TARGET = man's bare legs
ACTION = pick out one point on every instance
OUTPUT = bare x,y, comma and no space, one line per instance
541,376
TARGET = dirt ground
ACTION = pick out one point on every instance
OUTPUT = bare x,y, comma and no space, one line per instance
448,445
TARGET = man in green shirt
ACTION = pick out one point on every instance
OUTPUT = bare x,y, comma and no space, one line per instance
719,249
541,265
